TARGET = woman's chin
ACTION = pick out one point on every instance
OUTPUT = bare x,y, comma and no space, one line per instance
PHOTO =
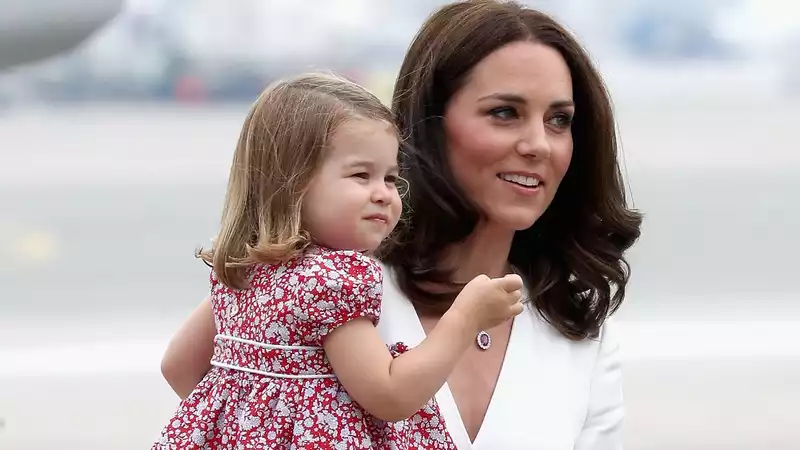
517,220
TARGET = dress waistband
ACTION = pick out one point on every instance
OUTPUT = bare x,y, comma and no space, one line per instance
279,361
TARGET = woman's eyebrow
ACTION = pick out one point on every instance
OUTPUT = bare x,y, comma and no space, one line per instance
516,98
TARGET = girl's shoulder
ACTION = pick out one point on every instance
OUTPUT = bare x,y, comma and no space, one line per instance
349,263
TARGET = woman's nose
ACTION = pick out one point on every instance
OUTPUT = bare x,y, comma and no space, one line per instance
533,142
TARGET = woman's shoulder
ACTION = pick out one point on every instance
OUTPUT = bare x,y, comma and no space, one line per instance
391,290
607,331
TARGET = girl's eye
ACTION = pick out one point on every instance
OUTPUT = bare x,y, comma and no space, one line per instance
361,175
504,113
392,179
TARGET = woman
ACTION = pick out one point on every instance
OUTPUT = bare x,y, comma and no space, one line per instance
512,164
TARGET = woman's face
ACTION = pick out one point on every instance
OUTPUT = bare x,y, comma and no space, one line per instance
509,133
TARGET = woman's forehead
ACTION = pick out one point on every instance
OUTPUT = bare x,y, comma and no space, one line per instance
523,69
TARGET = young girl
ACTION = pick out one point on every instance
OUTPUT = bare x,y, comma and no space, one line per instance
298,362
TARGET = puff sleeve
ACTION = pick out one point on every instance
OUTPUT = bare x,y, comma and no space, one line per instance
340,286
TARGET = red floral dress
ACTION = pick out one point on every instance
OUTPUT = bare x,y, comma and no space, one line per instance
271,386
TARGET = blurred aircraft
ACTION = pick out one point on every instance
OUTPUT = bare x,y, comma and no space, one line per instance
31,31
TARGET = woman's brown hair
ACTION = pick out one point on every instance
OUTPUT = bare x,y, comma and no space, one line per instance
572,257
281,144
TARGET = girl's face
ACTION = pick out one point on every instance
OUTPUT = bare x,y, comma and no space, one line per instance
509,134
352,202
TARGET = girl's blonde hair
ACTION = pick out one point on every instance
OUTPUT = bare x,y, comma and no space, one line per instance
281,144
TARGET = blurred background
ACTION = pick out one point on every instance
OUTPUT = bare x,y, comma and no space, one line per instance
114,156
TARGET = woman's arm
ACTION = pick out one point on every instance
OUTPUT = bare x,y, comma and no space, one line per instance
188,356
394,389
602,429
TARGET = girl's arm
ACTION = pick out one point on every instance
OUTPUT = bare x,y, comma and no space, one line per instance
393,389
188,356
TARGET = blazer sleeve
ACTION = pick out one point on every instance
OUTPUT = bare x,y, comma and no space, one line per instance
602,429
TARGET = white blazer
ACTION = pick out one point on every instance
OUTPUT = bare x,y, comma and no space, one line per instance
552,394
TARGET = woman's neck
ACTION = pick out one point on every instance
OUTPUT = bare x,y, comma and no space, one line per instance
485,251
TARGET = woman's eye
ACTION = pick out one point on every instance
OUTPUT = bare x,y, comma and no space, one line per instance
561,120
504,113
